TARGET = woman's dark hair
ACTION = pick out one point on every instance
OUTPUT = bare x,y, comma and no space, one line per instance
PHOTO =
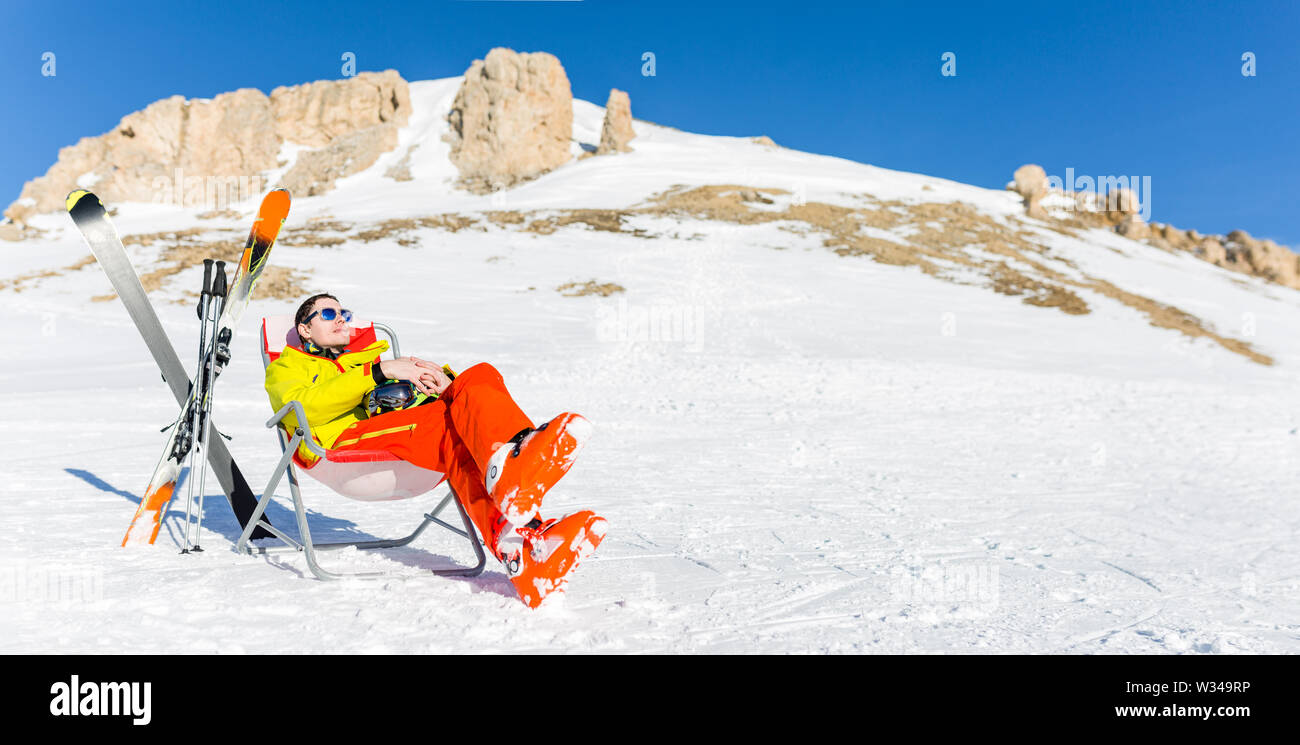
304,310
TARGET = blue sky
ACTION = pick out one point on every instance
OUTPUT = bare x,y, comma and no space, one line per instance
1138,89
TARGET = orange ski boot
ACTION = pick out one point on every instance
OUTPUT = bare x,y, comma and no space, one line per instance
521,471
551,551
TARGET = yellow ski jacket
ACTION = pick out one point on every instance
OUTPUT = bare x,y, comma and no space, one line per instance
330,390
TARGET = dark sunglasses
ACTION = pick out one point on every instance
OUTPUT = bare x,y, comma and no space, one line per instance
328,314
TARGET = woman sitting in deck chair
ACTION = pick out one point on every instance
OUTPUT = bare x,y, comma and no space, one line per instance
468,428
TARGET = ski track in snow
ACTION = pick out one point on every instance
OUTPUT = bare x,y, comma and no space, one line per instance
809,454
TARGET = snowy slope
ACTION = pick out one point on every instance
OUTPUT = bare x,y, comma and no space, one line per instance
800,452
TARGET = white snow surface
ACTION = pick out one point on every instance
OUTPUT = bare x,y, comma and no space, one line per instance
796,451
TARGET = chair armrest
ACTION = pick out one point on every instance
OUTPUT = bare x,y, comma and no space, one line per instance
392,337
303,429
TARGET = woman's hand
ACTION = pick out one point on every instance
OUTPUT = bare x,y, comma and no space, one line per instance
433,373
428,378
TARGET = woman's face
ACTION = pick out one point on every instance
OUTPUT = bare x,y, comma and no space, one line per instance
324,333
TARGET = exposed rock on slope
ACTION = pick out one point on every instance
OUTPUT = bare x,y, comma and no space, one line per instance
1120,210
1031,184
202,152
511,121
316,170
229,136
1261,258
319,113
616,132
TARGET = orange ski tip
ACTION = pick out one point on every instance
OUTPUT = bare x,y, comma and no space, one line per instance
277,196
271,215
275,204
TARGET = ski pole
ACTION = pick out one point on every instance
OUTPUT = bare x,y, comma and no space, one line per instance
205,295
218,299
200,423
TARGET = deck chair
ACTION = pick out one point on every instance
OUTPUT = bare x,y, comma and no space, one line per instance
367,475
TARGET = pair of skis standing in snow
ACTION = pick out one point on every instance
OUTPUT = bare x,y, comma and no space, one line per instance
468,428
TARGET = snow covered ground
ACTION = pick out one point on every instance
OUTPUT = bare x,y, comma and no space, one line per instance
796,451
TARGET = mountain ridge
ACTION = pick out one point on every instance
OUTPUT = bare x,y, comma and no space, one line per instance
409,195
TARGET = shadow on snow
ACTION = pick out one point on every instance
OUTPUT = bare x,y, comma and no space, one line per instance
324,529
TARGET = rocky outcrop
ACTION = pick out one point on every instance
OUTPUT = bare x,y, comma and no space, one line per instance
232,135
317,114
1122,207
1122,202
229,136
212,152
511,120
1237,251
1120,210
1030,182
401,170
1132,226
1212,251
1084,201
616,132
1262,258
315,171
1180,240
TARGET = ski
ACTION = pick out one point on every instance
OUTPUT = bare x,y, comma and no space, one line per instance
88,214
148,517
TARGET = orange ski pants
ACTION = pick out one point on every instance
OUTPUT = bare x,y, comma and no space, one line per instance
454,435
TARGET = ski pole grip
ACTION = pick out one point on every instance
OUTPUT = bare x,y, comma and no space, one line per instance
207,286
219,282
